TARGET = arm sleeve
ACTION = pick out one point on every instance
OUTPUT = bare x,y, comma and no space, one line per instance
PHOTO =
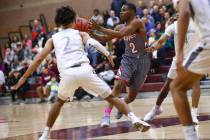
170,30
98,46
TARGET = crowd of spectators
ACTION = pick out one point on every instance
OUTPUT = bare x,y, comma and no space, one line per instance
20,53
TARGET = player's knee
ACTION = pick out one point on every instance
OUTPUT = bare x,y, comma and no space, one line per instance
118,86
177,87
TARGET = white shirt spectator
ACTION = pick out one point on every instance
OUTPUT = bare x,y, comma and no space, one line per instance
2,78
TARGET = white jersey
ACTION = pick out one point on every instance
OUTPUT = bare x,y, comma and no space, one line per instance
69,49
201,11
191,37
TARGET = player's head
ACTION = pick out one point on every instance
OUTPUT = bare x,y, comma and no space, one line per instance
128,10
65,16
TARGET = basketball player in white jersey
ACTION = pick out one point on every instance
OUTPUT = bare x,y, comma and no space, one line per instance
197,63
75,70
191,39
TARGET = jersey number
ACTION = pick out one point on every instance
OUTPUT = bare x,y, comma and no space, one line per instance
67,47
133,48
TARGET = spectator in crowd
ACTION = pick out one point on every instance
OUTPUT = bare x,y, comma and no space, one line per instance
93,55
2,81
155,13
149,17
27,41
139,10
112,20
43,89
108,74
105,17
8,58
19,52
97,17
38,34
53,86
14,42
147,24
13,78
116,6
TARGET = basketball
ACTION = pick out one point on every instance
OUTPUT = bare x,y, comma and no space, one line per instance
81,24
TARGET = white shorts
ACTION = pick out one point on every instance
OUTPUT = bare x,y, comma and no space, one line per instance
172,71
198,61
83,76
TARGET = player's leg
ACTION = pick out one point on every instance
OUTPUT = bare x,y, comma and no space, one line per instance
179,87
124,108
136,81
52,116
120,83
195,100
99,87
157,109
66,89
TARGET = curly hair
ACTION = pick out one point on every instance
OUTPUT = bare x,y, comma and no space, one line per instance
64,16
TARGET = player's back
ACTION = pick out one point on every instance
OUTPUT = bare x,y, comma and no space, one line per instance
69,49
201,11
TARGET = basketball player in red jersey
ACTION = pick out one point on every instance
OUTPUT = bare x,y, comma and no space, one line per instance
135,63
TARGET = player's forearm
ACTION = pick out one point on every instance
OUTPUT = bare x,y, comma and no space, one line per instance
98,46
183,23
101,38
113,33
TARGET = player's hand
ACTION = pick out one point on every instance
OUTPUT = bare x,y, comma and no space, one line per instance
179,64
111,60
19,84
150,49
94,25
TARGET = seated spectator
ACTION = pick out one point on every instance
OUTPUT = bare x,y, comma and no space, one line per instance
139,10
53,86
96,16
93,55
43,90
14,43
147,15
2,82
112,20
108,74
13,78
116,6
105,17
27,41
147,24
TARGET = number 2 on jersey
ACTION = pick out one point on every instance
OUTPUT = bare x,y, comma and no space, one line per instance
133,48
67,48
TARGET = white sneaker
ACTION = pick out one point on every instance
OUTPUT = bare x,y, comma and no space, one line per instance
150,115
141,125
43,137
105,121
194,117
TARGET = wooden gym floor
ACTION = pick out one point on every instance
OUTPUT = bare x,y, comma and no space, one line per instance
80,120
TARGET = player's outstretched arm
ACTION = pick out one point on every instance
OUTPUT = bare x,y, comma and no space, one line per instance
35,63
87,40
126,30
157,44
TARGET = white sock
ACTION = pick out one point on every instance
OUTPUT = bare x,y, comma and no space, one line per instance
132,116
190,133
195,110
157,107
46,131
